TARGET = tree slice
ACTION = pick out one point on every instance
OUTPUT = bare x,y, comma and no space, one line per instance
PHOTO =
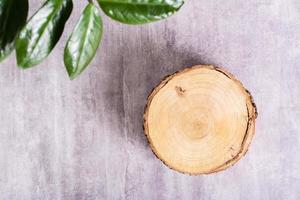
200,120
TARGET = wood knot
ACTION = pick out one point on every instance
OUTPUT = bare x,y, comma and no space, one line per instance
232,152
180,91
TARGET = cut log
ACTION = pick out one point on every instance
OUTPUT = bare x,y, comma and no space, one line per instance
200,120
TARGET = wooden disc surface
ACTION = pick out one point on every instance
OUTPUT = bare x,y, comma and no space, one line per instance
200,120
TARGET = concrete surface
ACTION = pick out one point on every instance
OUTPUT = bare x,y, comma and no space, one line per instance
84,139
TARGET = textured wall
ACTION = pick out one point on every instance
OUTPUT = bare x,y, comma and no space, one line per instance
84,139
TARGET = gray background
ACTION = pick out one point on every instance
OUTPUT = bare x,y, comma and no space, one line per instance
84,139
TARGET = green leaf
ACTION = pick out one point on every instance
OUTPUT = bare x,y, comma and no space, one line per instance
13,15
139,11
84,41
42,32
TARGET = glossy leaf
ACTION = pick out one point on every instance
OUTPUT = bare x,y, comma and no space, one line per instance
84,41
13,15
139,11
42,32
